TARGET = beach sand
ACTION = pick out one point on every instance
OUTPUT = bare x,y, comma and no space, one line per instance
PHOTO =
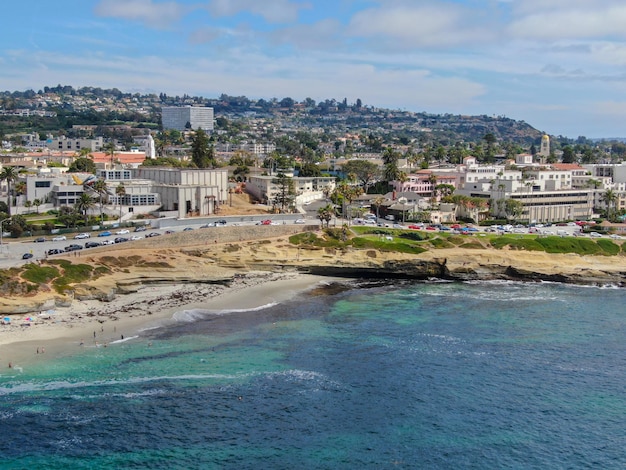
96,324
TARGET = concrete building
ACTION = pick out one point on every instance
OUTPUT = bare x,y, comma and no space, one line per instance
64,143
185,192
306,188
183,118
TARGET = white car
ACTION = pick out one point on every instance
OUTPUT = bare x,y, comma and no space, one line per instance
108,242
595,235
300,221
615,236
80,236
60,238
136,237
122,232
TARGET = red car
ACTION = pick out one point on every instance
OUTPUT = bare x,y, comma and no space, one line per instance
265,222
415,227
430,227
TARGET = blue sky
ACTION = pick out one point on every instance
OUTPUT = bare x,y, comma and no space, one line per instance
559,65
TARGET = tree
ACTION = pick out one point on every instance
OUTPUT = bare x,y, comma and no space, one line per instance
310,170
28,204
37,203
110,151
84,203
325,214
9,174
120,192
101,188
345,193
390,159
82,165
378,201
365,171
286,195
569,155
610,199
202,153
513,208
490,140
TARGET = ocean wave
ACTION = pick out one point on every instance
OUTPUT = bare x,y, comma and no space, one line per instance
190,316
26,387
123,340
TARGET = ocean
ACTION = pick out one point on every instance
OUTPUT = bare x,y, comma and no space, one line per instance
357,375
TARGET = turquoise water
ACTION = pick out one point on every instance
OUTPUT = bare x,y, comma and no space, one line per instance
435,375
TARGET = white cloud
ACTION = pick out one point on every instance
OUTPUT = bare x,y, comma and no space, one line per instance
425,25
321,35
156,15
273,11
591,21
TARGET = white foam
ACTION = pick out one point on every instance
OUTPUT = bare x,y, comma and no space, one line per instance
189,316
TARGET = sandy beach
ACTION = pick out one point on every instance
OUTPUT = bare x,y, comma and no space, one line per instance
92,323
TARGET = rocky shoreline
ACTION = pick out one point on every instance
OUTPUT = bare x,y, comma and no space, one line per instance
133,267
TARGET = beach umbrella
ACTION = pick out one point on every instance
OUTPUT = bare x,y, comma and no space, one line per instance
7,319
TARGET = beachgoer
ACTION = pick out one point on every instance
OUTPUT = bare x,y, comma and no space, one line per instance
122,336
94,334
10,366
37,350
82,342
43,350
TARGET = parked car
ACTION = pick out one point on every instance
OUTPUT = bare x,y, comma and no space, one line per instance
55,251
80,236
220,222
153,234
122,232
39,240
210,224
416,227
141,228
299,221
167,232
121,240
92,244
187,229
265,222
108,242
27,256
59,238
595,235
136,237
73,247
106,233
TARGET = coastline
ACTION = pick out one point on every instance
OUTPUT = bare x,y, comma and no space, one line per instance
92,323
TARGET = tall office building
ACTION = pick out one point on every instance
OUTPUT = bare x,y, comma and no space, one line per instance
187,118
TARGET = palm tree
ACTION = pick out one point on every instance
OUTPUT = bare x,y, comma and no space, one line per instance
28,204
101,188
37,203
84,204
432,179
120,191
9,174
610,198
110,150
378,201
325,214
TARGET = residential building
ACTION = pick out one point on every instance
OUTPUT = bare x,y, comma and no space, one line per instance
307,189
183,118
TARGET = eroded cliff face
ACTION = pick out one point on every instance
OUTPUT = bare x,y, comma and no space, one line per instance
135,266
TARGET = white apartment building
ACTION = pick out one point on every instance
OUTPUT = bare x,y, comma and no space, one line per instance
307,188
63,143
183,118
